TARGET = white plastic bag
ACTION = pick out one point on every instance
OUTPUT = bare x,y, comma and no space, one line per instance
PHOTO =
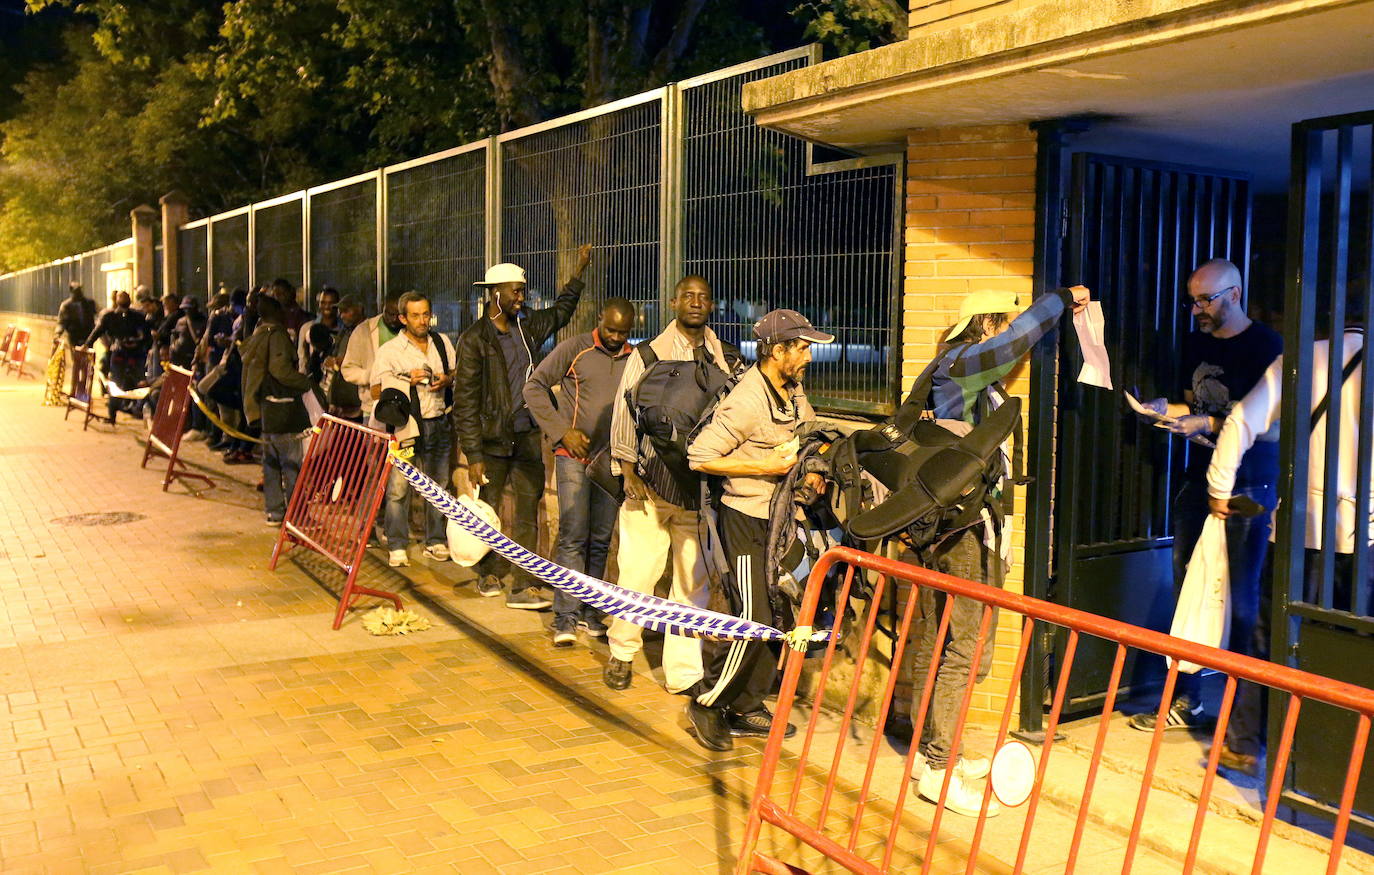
464,548
1203,614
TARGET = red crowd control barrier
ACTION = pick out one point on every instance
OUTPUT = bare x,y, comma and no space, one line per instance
83,377
169,421
17,353
340,487
851,806
5,342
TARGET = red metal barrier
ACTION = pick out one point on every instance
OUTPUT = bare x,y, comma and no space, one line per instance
5,342
83,376
169,422
808,813
18,352
340,487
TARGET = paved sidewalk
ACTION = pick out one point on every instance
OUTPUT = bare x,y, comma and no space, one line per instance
168,705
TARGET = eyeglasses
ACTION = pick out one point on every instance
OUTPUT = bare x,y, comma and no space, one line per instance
1204,300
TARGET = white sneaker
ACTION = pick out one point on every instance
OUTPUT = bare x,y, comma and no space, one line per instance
437,552
972,768
193,435
963,798
397,558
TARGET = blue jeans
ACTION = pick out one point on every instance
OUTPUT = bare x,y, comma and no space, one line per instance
586,519
435,441
281,462
1247,543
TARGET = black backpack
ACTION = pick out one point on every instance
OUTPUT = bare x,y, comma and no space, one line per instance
667,405
937,481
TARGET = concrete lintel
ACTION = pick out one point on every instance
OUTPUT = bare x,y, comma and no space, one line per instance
826,101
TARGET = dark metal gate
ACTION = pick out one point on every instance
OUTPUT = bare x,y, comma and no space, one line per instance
1323,599
1136,230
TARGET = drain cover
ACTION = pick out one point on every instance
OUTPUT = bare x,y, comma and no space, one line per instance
109,518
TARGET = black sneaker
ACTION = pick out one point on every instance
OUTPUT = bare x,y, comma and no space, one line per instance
529,599
709,726
1182,715
488,585
618,674
593,625
755,724
564,632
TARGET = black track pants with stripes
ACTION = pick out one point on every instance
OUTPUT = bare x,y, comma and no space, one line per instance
740,673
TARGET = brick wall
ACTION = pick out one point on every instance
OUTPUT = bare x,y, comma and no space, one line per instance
970,224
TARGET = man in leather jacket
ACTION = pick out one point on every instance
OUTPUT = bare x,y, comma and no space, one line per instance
496,355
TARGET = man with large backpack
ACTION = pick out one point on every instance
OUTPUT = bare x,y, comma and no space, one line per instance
963,384
751,441
659,519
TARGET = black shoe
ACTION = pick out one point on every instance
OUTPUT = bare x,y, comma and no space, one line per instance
1183,715
593,625
708,726
755,724
618,674
489,586
528,599
564,632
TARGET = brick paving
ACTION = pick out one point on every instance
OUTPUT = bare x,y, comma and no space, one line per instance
168,705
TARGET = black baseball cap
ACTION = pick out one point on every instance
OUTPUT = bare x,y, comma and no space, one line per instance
780,326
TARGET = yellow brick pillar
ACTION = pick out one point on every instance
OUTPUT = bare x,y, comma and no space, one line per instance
175,213
142,217
970,225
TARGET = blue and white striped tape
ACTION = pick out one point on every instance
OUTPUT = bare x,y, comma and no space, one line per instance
648,611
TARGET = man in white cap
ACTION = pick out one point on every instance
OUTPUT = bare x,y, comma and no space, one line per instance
496,355
751,441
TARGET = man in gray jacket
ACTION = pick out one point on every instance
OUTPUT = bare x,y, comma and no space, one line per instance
587,369
752,442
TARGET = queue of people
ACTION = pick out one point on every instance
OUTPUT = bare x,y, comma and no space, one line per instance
610,412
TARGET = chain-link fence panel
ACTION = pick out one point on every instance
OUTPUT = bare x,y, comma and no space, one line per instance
436,234
277,249
595,180
229,254
192,248
768,233
343,242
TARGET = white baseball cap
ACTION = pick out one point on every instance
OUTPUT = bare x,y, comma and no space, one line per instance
502,273
979,303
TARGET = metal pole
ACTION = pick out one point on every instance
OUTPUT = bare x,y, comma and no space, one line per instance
493,202
1049,230
252,247
305,247
670,220
383,279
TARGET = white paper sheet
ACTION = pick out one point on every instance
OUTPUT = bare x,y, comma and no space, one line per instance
1097,369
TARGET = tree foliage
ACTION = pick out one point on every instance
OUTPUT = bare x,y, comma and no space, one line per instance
243,100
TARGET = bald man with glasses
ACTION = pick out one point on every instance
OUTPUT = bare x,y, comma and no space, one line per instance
1222,361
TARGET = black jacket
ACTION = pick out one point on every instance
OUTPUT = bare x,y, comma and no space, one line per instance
482,404
272,385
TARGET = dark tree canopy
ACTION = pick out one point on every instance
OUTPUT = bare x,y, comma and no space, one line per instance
113,103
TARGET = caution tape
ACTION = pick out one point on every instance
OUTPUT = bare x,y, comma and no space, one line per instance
219,423
642,609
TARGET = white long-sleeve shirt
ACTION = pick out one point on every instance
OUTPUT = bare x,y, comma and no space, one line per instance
1258,412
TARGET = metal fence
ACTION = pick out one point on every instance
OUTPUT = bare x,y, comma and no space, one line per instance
675,181
436,228
40,290
229,257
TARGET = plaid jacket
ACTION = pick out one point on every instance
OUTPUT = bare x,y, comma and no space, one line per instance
965,371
